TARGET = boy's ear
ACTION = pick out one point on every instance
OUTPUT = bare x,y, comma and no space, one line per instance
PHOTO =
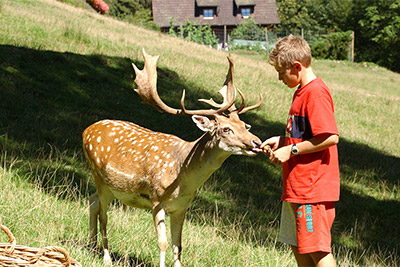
297,65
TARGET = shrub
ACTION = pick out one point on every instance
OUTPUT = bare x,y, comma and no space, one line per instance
248,30
201,34
99,5
332,46
137,12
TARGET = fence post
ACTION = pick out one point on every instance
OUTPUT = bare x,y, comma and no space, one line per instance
266,39
352,46
224,37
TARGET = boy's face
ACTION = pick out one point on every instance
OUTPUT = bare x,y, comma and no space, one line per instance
289,76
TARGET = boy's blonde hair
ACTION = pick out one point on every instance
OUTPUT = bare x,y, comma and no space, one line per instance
288,50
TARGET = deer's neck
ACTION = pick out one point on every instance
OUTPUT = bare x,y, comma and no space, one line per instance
203,159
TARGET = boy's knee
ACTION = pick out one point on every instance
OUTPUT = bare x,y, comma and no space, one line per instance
323,259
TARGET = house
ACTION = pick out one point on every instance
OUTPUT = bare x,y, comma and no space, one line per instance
221,15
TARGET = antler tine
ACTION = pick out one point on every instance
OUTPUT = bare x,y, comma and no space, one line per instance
242,109
243,104
223,93
228,92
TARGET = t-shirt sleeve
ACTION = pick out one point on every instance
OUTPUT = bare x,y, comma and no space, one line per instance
320,112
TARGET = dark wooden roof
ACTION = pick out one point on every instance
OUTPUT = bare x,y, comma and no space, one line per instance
207,3
245,2
265,11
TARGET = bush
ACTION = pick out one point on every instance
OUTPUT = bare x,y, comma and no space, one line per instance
98,5
332,46
137,12
248,30
201,34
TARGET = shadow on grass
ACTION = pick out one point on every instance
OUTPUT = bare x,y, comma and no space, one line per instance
48,98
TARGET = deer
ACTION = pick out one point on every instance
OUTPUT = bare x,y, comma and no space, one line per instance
158,171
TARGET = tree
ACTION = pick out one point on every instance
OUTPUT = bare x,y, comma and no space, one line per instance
293,14
328,15
378,32
376,24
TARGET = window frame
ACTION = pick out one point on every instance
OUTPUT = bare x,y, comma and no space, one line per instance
250,11
208,9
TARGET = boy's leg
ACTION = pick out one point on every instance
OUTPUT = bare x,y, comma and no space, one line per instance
323,259
303,260
318,259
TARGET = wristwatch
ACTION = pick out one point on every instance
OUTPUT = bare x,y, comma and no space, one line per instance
295,150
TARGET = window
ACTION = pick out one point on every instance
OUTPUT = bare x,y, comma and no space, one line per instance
208,13
245,11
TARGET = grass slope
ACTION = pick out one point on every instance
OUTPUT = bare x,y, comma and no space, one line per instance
63,68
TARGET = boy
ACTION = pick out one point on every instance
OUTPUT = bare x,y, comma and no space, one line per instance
308,156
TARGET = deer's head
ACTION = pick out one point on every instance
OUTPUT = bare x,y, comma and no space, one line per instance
228,131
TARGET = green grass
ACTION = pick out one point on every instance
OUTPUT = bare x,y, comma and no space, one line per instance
63,68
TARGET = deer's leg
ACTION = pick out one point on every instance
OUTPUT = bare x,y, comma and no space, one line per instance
93,217
177,219
159,222
104,200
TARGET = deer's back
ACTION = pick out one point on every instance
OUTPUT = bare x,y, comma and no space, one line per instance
132,160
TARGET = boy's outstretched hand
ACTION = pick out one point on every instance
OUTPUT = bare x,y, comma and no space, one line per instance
272,147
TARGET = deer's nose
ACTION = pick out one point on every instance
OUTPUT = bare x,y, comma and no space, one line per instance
256,143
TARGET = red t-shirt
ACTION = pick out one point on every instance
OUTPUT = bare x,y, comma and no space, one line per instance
314,177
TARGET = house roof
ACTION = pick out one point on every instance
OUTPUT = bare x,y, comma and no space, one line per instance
245,2
265,12
207,3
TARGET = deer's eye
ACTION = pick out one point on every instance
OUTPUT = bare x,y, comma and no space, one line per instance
227,130
248,127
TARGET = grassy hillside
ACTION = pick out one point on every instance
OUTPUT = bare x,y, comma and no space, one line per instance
63,68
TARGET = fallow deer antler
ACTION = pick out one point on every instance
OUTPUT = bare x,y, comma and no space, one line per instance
224,91
242,109
146,81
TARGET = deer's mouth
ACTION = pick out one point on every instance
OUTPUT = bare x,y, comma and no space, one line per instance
251,151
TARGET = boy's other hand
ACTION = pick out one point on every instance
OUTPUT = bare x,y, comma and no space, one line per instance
280,155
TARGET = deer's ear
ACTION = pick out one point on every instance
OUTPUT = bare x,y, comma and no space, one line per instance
203,123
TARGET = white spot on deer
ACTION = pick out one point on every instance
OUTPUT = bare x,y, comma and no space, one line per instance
108,149
116,140
99,139
102,148
90,147
156,157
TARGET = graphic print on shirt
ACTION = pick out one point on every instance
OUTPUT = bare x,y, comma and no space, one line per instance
298,127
